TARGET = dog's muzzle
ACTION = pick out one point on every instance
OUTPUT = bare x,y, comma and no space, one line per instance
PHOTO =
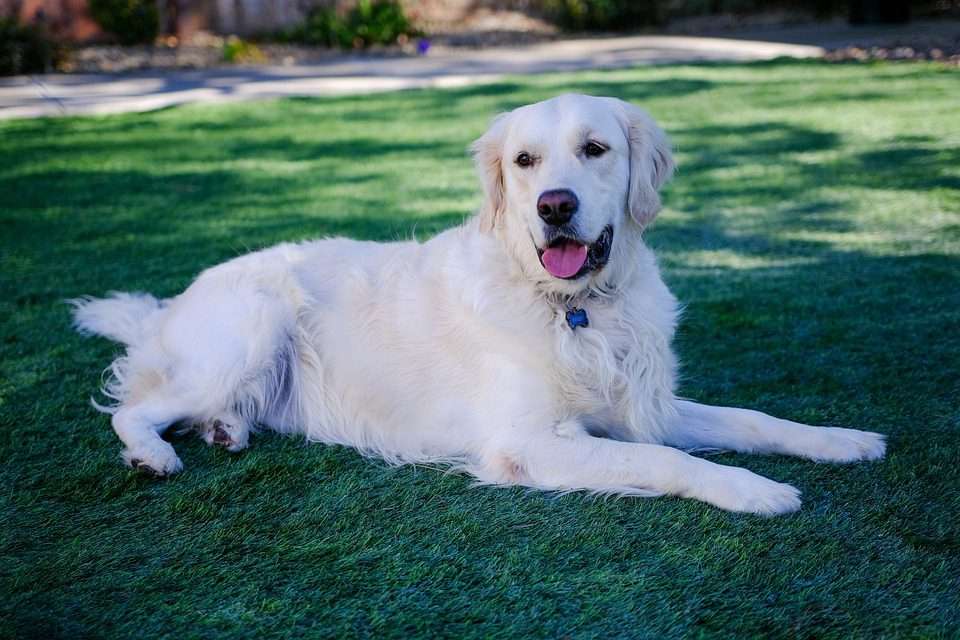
567,257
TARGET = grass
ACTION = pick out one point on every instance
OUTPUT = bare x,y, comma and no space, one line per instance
813,231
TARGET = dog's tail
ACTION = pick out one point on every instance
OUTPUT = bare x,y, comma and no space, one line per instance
122,317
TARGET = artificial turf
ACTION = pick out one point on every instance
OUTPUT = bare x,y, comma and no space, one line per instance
812,230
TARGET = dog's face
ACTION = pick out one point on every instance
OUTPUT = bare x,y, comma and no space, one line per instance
564,179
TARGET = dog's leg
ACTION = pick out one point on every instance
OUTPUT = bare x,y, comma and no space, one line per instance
229,431
569,459
700,426
139,426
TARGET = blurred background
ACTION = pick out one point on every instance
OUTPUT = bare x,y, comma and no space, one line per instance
120,35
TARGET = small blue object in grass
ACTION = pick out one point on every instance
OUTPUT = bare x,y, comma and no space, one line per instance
577,318
423,45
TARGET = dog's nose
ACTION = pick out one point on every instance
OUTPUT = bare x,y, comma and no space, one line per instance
557,206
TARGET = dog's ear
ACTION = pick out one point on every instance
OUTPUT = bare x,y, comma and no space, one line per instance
488,157
651,163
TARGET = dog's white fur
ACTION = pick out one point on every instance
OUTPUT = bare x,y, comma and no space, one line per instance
457,349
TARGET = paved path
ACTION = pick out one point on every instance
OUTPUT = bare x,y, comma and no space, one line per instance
67,94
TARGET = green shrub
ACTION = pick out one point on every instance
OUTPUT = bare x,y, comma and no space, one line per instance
238,51
605,15
322,27
369,22
130,21
26,49
378,22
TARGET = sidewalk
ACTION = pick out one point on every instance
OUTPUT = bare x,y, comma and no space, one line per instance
63,94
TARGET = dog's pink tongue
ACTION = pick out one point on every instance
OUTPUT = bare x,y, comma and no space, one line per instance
564,260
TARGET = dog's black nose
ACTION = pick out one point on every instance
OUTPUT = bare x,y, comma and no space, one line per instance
557,206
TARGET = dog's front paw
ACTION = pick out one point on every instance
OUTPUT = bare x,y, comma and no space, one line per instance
155,458
736,489
849,445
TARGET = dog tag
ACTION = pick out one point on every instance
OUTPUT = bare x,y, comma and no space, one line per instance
577,317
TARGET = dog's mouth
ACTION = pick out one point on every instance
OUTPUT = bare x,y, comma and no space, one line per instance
569,258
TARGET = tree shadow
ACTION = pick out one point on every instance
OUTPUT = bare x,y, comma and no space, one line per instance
712,146
724,241
799,300
910,167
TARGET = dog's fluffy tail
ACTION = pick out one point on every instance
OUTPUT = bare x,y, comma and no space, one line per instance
122,317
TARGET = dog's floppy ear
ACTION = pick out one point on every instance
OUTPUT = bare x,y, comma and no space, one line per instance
488,157
651,163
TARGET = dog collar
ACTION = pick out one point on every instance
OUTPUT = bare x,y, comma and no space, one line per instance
577,317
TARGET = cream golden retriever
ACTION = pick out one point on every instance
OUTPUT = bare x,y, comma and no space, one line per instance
529,346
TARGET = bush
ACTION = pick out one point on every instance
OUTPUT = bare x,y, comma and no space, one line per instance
322,27
369,22
130,21
26,49
378,22
605,15
239,51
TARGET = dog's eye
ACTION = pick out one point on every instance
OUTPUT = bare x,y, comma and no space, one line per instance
594,149
524,159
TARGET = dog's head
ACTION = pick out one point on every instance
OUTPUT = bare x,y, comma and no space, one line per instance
569,183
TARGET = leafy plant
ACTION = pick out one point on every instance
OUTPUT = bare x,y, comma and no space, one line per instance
322,27
368,23
130,21
240,51
26,49
378,22
605,15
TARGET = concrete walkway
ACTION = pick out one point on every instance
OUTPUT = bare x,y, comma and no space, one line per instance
63,94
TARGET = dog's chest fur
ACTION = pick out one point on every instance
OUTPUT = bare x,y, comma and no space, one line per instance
619,369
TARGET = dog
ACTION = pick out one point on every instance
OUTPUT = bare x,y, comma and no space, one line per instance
529,346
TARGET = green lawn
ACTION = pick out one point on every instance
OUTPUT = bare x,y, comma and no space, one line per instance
813,231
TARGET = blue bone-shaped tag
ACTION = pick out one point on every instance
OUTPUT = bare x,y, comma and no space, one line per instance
577,317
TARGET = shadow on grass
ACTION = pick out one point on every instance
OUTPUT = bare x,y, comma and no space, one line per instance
182,188
207,214
789,309
161,206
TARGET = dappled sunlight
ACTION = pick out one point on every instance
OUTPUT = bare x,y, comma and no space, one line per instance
787,177
812,235
764,180
721,259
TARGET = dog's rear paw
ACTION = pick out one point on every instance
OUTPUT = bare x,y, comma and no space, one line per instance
850,445
156,458
232,435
